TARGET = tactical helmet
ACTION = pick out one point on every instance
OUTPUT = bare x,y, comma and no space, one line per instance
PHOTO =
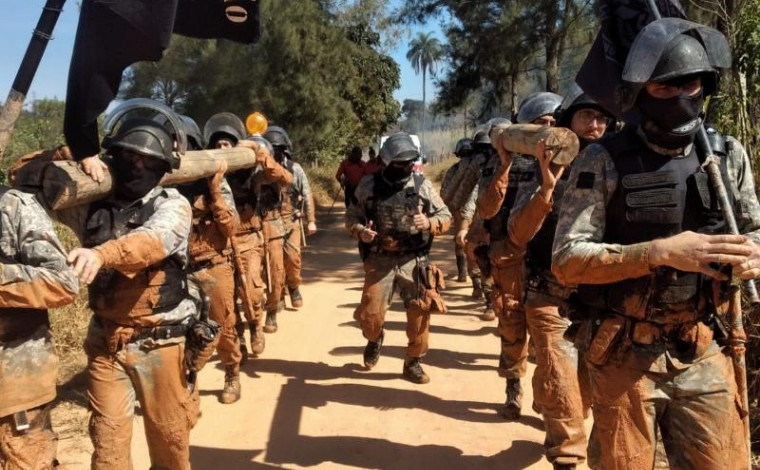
193,133
398,147
574,100
685,56
464,148
537,105
223,125
481,137
147,138
277,136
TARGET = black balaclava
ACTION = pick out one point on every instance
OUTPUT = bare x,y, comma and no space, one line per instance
398,175
281,153
670,123
132,183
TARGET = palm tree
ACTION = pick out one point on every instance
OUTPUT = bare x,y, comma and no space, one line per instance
425,51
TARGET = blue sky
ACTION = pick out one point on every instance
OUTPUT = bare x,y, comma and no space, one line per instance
20,17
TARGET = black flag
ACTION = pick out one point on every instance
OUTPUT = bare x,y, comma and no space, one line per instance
600,74
114,34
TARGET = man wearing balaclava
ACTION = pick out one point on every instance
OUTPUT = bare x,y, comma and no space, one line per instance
395,218
641,235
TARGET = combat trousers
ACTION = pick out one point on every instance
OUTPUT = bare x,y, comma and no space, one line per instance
154,375
34,449
508,292
218,283
384,274
695,409
292,256
252,257
274,248
556,384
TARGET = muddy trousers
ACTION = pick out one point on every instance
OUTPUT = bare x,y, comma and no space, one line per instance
156,377
274,248
292,256
33,449
556,384
218,283
694,408
252,256
507,296
383,275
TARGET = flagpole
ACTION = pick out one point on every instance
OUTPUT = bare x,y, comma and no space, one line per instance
40,37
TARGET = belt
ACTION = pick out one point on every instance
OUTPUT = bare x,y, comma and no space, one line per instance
209,263
544,286
159,332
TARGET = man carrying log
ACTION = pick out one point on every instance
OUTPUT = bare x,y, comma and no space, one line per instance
463,151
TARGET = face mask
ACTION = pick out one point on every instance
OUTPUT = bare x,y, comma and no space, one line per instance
133,183
398,174
673,122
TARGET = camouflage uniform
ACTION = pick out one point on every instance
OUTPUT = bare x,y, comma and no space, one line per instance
34,276
507,265
560,387
461,218
135,341
390,261
297,204
654,367
250,239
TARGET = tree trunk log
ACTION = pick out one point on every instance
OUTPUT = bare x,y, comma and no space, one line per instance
522,138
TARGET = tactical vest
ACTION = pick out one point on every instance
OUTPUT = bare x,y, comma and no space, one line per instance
246,203
539,251
521,173
206,243
392,211
288,196
657,196
123,299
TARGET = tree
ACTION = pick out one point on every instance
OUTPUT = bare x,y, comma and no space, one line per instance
425,52
39,127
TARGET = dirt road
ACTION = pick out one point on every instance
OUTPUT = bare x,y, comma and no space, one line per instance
309,403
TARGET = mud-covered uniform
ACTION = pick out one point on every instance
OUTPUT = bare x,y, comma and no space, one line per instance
210,268
560,387
462,217
34,276
399,251
249,236
136,339
650,335
297,204
507,263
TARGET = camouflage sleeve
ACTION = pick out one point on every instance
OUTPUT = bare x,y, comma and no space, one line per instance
33,268
528,213
308,197
357,214
438,213
492,197
469,181
579,255
164,234
223,209
467,211
448,177
743,189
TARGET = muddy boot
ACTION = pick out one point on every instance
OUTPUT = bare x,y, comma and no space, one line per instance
258,342
461,268
231,392
413,371
240,330
372,351
513,406
488,313
270,325
295,297
477,288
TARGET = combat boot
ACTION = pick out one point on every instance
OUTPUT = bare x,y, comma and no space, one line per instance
512,409
270,326
258,342
240,330
461,268
231,392
413,371
488,313
372,351
477,288
295,297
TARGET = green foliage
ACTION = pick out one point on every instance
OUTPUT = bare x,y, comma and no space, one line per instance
318,75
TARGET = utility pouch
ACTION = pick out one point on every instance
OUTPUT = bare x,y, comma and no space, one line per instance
202,338
607,340
429,283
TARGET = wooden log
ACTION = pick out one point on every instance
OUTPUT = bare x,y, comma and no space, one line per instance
522,138
65,184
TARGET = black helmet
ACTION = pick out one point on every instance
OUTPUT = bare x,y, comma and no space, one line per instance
398,147
685,56
223,125
277,136
481,138
574,100
145,137
193,133
537,105
464,148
